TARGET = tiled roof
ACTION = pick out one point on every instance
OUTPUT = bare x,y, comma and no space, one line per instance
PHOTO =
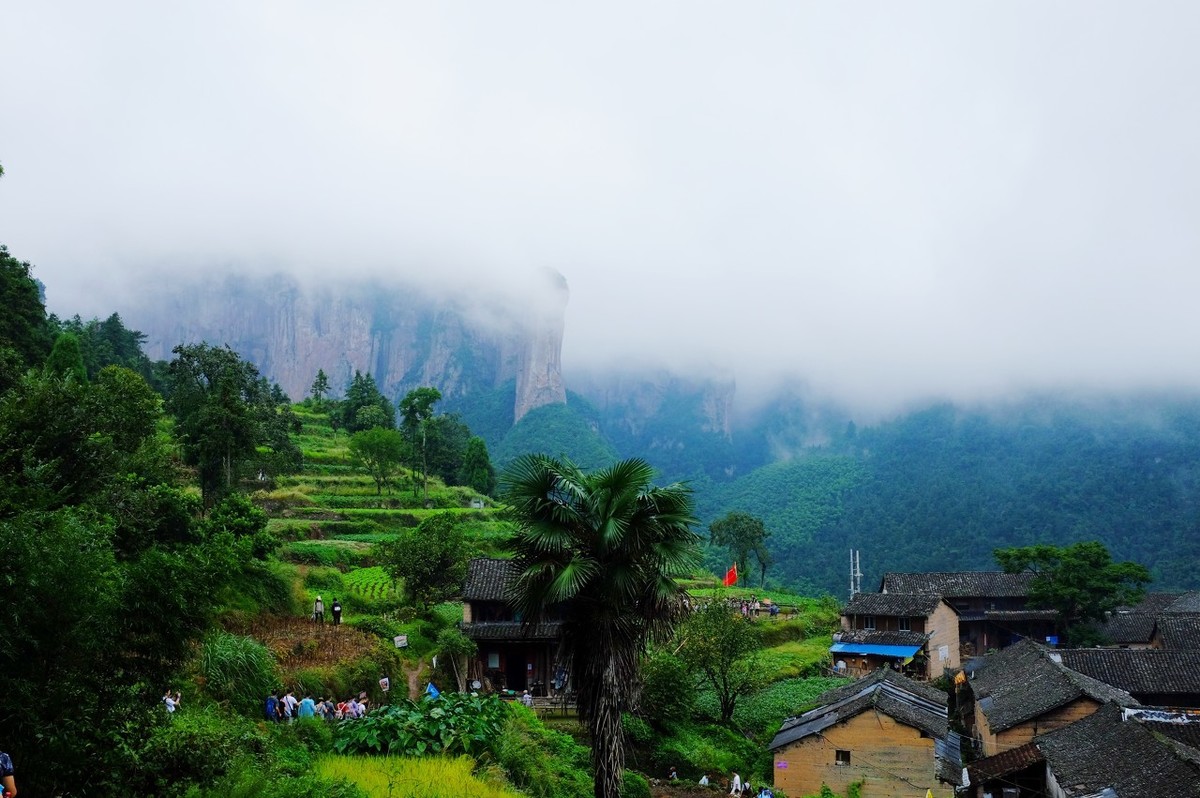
1023,681
1102,751
1179,632
1152,603
1188,603
903,605
1004,763
487,579
959,584
1138,670
910,702
512,630
1020,615
1128,627
881,638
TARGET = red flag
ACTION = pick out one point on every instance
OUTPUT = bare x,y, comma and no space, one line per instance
731,576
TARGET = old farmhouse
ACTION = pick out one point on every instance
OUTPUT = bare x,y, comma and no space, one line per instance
885,730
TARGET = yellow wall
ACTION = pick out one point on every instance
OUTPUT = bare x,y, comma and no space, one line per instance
893,760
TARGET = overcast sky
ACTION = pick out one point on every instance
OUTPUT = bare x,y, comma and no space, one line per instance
891,200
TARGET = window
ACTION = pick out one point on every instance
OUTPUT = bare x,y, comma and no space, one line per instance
905,624
493,659
868,621
842,758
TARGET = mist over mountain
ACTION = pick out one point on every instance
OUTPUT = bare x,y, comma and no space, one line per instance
937,486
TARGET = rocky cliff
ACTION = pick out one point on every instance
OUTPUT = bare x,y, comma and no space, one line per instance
404,336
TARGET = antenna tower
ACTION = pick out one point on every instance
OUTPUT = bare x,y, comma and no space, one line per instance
855,574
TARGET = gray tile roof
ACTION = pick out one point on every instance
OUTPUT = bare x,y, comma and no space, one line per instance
1138,670
1179,632
487,579
512,630
881,638
1152,603
1188,603
901,605
1103,751
1023,681
1128,627
959,584
913,703
1004,763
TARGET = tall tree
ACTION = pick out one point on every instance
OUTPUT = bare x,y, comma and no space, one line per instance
416,410
719,647
476,471
66,358
604,549
320,387
1080,581
380,451
364,407
23,325
430,560
742,534
225,412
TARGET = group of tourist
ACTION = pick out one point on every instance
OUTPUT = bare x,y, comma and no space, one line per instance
282,707
737,787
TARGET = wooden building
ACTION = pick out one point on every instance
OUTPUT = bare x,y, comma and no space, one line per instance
1108,754
885,730
512,655
991,606
1024,691
914,634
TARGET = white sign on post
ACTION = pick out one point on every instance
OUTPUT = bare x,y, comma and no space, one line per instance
385,684
401,641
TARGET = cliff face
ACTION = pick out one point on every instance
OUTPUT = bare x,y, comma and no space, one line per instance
402,336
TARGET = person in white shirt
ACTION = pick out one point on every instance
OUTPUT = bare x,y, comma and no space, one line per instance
735,785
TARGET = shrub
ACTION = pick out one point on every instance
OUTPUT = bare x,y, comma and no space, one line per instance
429,777
325,579
668,689
196,745
540,761
452,724
634,785
239,670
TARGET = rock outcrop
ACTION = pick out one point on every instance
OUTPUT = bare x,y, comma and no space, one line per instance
403,336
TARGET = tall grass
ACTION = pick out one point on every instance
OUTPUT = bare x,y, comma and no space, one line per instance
411,777
237,669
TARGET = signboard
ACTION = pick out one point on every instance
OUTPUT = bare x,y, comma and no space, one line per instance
401,641
781,765
385,684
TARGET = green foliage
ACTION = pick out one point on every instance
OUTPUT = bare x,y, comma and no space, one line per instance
66,358
721,647
23,326
430,560
1081,582
364,407
476,471
742,534
196,746
604,550
328,553
634,785
240,517
237,669
541,762
560,431
380,451
668,689
320,386
453,724
109,343
227,419
761,713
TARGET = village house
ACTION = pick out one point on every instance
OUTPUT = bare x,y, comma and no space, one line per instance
1024,691
991,606
512,655
915,634
1154,677
1109,754
1133,627
885,730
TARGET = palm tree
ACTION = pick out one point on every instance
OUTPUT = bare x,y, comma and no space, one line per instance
604,549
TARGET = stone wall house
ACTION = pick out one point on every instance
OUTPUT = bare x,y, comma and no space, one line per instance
885,730
1167,678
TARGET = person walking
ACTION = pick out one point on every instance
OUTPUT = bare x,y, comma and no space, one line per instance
8,781
337,612
735,785
319,611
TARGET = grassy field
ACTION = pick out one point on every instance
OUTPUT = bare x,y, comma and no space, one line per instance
409,777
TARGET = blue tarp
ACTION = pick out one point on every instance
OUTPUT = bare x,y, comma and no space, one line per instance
867,648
